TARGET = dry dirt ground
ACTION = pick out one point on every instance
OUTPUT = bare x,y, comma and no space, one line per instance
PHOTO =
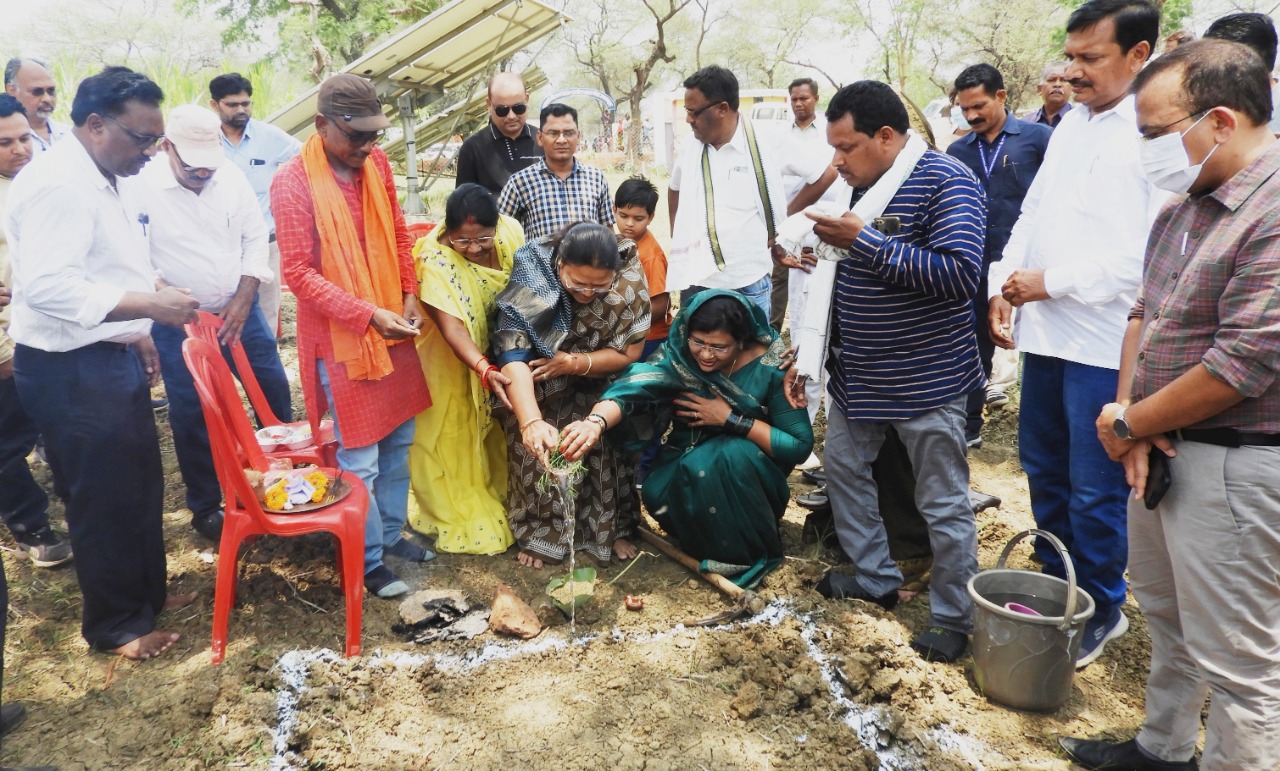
809,683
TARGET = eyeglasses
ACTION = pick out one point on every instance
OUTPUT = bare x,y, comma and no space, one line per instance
554,136
143,141
519,108
1157,133
356,138
698,345
696,113
461,244
50,90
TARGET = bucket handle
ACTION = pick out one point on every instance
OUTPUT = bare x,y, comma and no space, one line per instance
1070,612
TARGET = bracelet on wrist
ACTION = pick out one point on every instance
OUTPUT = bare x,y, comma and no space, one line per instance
738,425
484,377
589,363
476,365
530,422
596,417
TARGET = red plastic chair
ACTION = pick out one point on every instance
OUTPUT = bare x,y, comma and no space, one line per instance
420,229
244,517
323,451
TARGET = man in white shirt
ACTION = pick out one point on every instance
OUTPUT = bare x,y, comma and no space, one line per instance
1073,288
31,83
729,244
208,235
84,297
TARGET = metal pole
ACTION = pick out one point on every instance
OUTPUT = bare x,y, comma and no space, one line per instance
412,202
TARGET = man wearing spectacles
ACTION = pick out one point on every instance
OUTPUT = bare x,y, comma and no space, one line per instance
84,300
557,190
347,256
207,234
30,82
491,155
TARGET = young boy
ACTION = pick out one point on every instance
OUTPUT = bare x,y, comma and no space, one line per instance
633,205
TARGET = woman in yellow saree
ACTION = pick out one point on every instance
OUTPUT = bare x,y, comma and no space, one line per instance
458,463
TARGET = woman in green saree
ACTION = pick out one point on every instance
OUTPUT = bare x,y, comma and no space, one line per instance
719,484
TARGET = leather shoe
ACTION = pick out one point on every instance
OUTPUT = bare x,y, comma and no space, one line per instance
208,525
1098,755
11,716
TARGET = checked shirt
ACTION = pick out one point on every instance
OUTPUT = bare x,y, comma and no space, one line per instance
544,203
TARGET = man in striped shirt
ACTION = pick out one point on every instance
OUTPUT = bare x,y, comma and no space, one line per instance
903,354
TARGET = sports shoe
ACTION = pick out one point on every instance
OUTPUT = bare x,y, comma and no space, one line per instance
813,461
1097,633
996,398
409,551
940,644
45,547
1097,755
840,586
382,582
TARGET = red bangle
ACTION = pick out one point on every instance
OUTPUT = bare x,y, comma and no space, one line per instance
484,377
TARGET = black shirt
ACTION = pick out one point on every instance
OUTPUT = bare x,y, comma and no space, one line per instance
489,158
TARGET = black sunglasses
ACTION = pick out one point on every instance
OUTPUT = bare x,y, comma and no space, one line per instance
519,108
357,138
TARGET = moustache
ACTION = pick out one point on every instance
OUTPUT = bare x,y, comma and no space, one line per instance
1080,83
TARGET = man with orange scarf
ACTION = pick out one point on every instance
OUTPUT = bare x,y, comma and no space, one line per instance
346,255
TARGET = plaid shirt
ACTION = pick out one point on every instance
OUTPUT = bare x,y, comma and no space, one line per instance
1209,295
544,203
366,411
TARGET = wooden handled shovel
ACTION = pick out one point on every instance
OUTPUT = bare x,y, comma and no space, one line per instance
746,602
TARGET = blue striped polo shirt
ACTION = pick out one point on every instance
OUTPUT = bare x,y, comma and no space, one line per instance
902,319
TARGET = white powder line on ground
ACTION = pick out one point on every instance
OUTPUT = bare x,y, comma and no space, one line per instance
870,723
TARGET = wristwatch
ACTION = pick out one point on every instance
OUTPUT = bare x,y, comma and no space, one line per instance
1120,427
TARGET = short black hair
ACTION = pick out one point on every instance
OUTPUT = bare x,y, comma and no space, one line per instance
227,84
810,82
724,314
716,83
557,110
980,75
1216,73
108,92
1255,30
637,191
9,105
873,106
1135,20
12,66
470,202
589,244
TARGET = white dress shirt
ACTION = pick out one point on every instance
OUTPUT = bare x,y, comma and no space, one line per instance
1085,222
805,156
204,242
740,225
77,245
57,133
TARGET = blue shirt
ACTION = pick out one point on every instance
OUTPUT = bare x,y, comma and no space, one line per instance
1014,158
262,150
902,319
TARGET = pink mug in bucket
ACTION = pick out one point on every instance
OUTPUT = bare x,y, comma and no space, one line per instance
1020,608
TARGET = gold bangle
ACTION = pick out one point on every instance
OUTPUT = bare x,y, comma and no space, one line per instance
589,363
529,422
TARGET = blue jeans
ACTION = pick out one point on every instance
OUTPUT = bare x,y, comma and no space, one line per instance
190,434
934,441
1077,492
23,503
384,469
758,293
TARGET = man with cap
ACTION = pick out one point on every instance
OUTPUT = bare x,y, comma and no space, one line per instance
208,235
491,155
347,256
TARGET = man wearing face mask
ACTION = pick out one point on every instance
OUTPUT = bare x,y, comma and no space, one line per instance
1073,287
1199,384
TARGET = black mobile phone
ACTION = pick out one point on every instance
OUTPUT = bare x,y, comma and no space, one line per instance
1159,480
890,226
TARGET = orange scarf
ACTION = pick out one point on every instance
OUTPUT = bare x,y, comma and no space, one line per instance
372,273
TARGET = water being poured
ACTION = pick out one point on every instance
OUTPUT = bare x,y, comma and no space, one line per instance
565,476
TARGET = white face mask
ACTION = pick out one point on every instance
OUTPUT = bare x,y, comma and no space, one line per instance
1166,163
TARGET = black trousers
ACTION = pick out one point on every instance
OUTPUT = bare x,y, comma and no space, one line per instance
93,406
986,351
23,503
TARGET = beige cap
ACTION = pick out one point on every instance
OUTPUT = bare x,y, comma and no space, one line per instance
196,133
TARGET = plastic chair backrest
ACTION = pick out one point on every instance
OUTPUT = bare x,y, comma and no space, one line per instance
420,229
230,432
206,327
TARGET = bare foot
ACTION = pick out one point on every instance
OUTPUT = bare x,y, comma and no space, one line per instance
149,645
179,600
905,595
624,550
529,561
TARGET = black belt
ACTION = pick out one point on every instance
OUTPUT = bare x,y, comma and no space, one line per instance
104,345
1227,437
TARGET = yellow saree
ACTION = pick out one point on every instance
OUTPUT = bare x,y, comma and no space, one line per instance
458,462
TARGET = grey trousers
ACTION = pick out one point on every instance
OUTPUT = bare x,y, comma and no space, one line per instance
935,445
1204,567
